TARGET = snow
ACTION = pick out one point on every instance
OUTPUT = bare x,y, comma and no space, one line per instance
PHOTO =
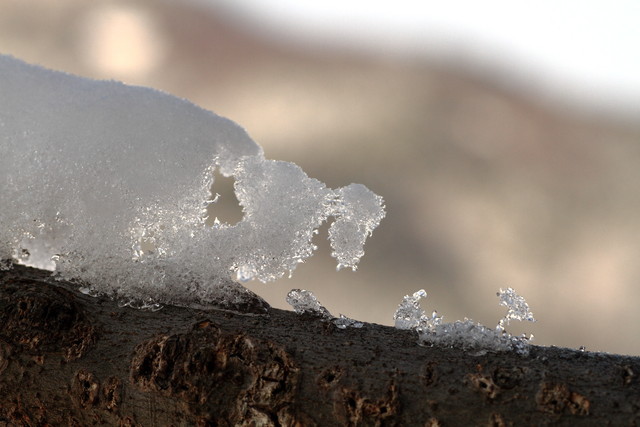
343,322
305,303
108,184
517,307
466,334
410,315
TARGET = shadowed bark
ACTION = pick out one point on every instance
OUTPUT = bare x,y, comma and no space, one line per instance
70,359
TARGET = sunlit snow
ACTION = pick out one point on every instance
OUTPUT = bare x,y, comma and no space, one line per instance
108,184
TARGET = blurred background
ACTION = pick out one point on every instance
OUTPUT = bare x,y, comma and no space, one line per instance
504,137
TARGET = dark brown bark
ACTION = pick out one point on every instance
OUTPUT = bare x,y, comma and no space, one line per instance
70,359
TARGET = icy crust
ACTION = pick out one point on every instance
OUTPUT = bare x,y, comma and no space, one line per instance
466,334
108,184
305,303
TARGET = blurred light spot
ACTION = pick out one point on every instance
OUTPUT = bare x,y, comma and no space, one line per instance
121,41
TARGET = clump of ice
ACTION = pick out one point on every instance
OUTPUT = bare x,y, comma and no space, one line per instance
410,315
517,307
305,302
466,334
344,322
108,184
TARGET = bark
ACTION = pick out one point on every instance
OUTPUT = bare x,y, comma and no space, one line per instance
70,359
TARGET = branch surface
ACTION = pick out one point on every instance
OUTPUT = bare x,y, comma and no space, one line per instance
70,359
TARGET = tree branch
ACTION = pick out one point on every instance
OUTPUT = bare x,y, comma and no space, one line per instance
67,358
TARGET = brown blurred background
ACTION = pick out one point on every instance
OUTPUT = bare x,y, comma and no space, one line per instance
485,185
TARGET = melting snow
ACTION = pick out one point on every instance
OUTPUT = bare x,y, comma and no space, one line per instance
305,302
108,184
465,334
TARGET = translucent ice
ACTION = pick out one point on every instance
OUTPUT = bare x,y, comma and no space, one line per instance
344,322
466,334
108,184
410,315
305,302
358,213
517,307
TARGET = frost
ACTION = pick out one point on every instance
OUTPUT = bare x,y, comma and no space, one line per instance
305,302
108,184
466,334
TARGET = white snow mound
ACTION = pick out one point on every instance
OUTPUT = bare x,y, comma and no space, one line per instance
108,184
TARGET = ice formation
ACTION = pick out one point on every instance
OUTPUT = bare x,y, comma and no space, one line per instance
410,315
305,302
466,334
108,184
517,307
344,322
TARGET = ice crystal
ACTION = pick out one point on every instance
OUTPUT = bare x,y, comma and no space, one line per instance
466,334
109,184
410,315
344,322
409,312
473,337
517,307
305,302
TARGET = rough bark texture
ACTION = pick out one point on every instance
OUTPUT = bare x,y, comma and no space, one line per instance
70,359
